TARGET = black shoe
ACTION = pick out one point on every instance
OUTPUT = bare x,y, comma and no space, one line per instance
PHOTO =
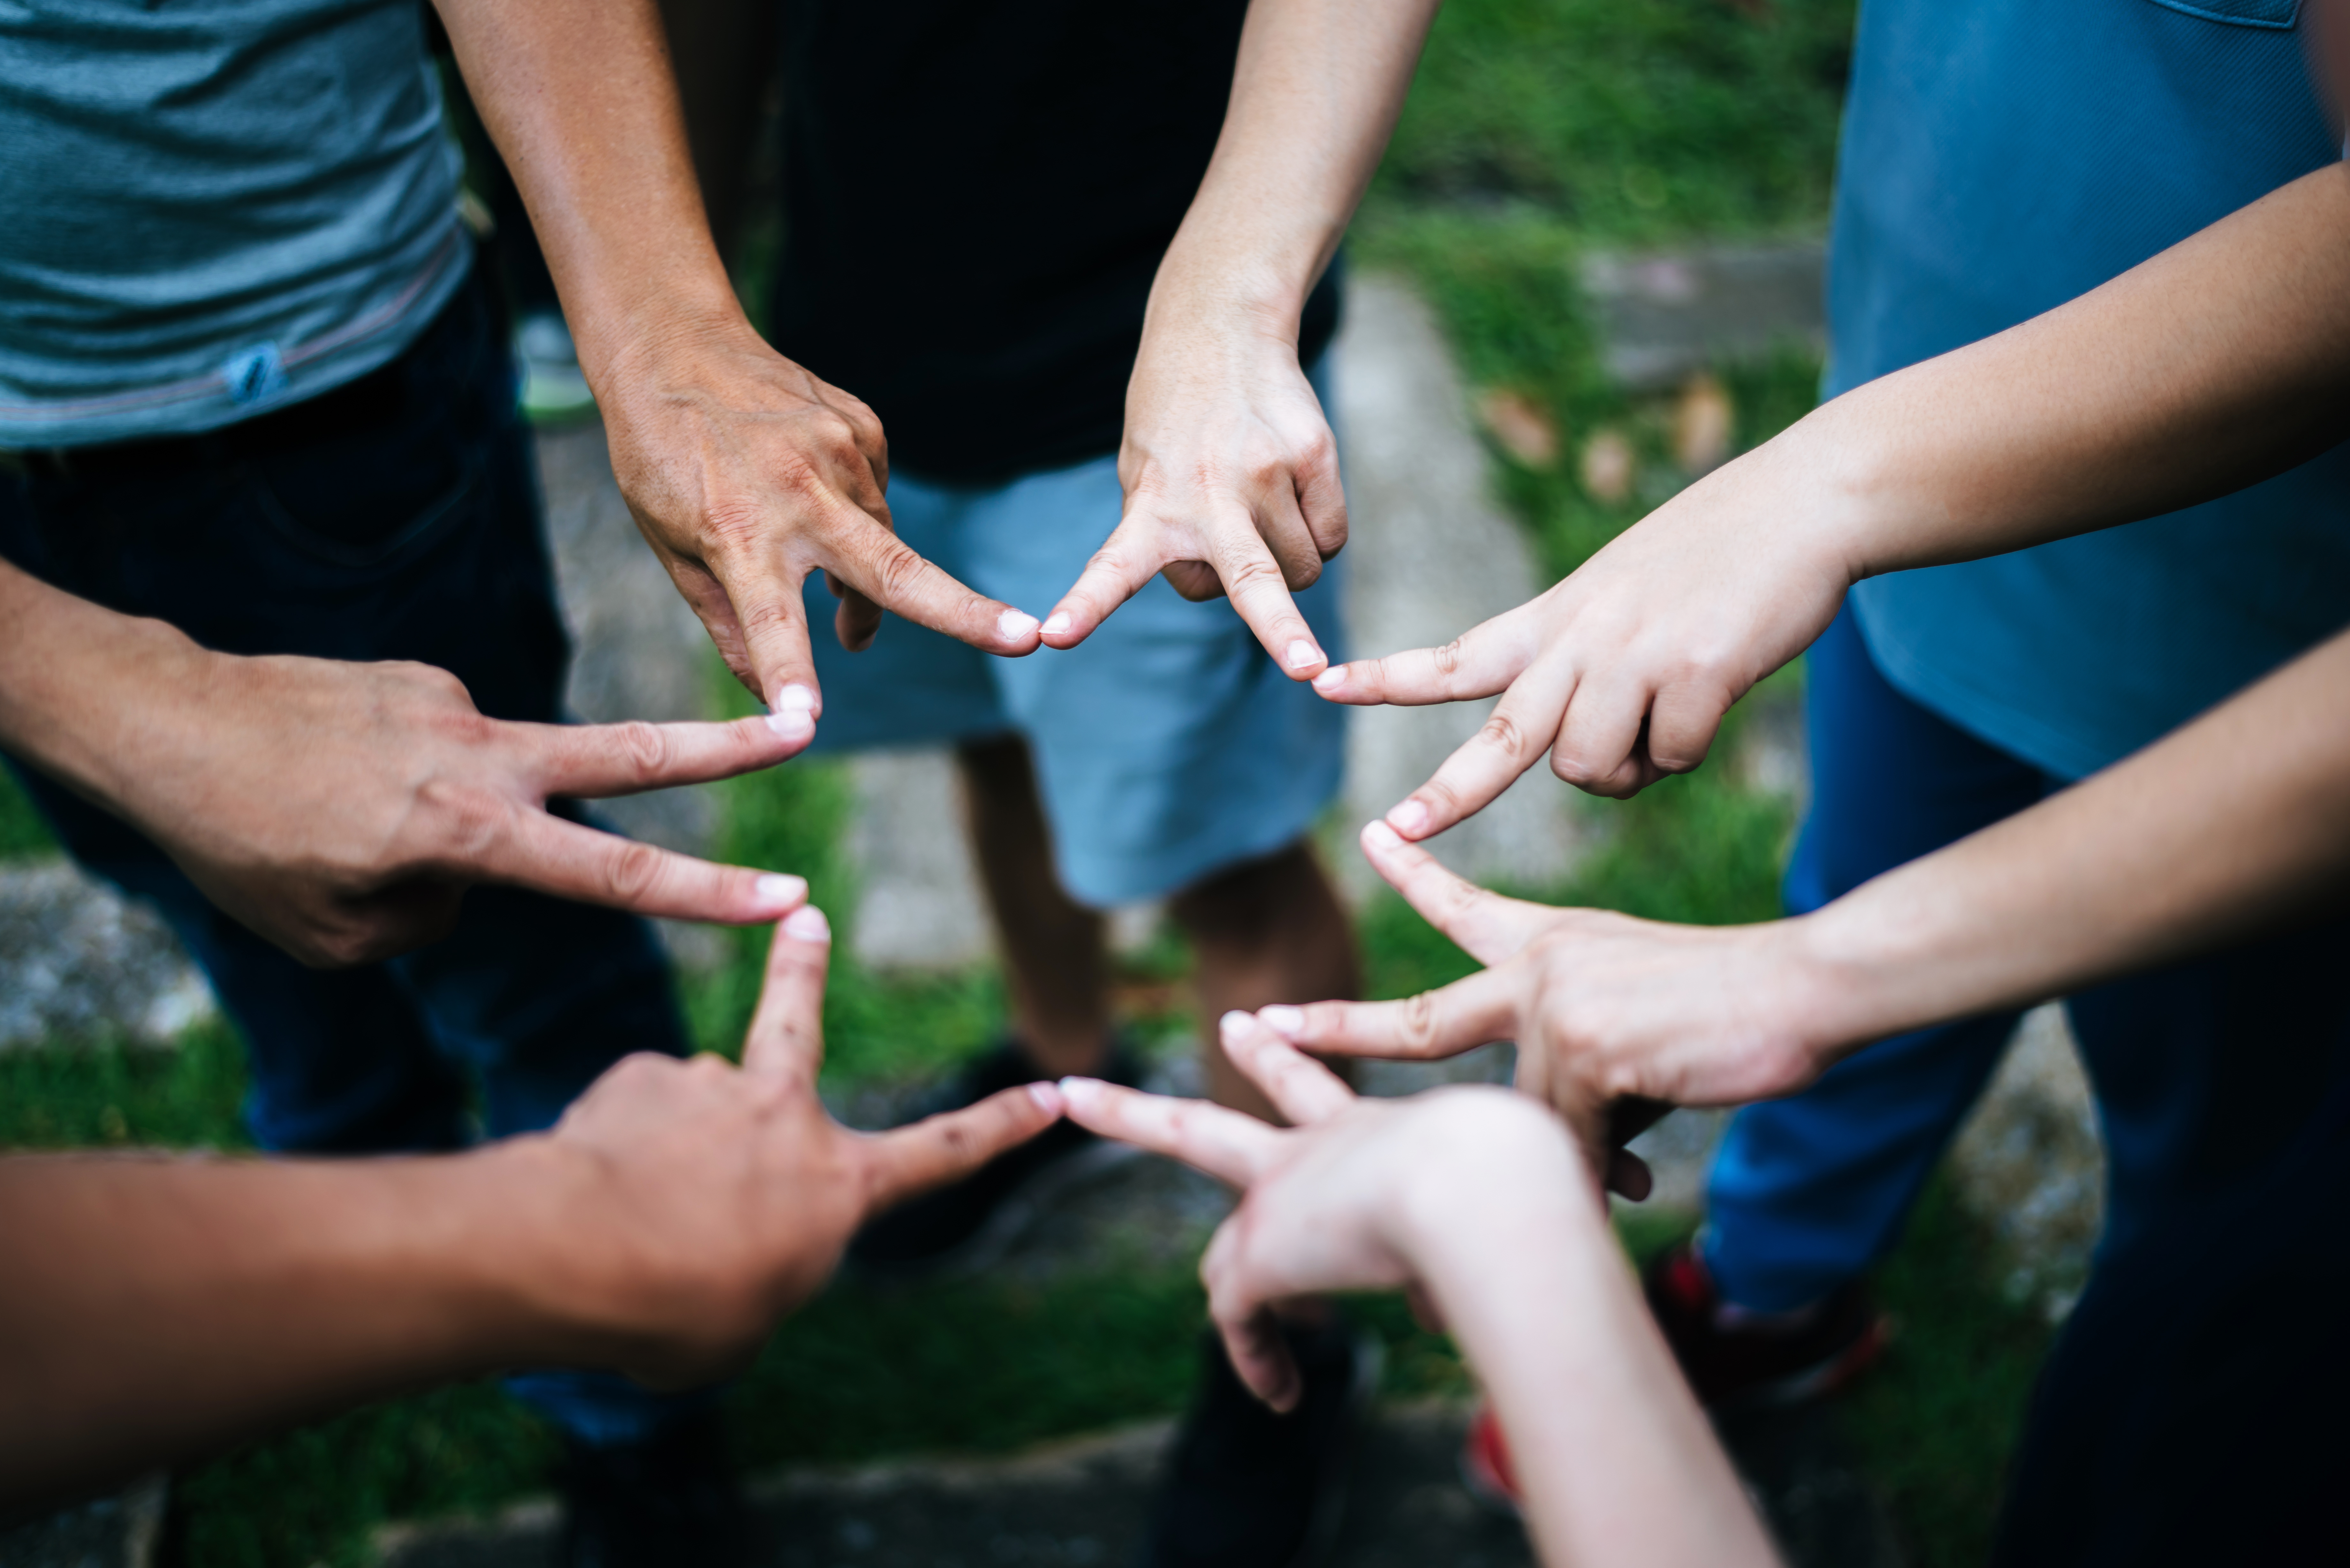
672,1502
968,1225
1760,1362
1247,1488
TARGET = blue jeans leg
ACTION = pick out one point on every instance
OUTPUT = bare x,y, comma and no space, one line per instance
1808,1191
397,519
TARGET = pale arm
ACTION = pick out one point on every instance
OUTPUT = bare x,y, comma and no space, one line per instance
2222,360
341,810
1230,470
158,1308
744,472
2240,820
1476,1203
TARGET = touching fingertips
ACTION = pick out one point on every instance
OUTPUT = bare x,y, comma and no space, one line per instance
1234,1026
1047,1095
1016,626
1410,818
793,698
1077,1094
778,890
1301,655
1058,624
807,924
793,725
1331,681
1380,837
1289,1023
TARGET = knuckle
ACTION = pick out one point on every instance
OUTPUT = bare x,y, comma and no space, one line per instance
633,872
1504,733
1417,1027
1450,658
644,747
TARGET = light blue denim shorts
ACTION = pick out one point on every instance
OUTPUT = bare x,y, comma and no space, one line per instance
1168,744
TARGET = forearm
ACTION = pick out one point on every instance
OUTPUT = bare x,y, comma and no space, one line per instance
1616,1460
2231,822
1315,92
2222,360
76,674
161,1307
582,104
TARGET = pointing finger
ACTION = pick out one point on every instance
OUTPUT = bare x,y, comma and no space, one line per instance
786,1039
1260,593
774,632
548,854
875,562
938,1149
1488,927
1459,1017
1479,662
592,762
1300,1088
1512,740
1225,1144
1127,559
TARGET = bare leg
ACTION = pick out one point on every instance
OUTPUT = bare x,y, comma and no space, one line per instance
1055,948
1271,930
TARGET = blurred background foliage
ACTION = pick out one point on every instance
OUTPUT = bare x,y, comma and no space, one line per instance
1536,130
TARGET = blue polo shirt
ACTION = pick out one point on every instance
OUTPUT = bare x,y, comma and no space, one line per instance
2000,157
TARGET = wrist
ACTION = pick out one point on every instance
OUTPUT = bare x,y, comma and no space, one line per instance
1851,974
534,1255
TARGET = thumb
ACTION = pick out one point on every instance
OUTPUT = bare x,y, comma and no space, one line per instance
787,1034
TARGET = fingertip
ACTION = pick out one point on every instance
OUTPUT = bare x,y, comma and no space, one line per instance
1078,1094
1331,681
1059,624
778,892
1017,630
1289,1023
1378,838
807,924
1411,819
796,727
1303,659
1047,1096
1234,1026
796,697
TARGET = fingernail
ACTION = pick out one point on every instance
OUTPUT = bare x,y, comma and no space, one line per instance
778,888
1331,680
807,924
1047,1095
1289,1023
1057,623
1076,1090
1377,835
1411,817
792,724
1016,626
1233,1024
795,699
1301,655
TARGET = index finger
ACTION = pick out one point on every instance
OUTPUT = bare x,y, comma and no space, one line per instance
937,1150
1459,1017
1300,1088
1479,662
1223,1143
891,573
1488,927
548,854
592,762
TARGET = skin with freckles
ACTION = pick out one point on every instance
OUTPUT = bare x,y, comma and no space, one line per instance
2219,362
341,810
1478,1204
159,1308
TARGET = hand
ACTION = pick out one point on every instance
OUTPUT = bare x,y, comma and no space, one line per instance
1622,673
1604,1009
1231,481
745,473
705,1201
1346,1200
341,810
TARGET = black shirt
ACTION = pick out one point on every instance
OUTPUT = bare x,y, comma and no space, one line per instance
976,195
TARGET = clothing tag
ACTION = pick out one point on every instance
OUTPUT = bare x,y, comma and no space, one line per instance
255,373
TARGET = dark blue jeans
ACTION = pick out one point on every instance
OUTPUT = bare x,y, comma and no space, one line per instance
2189,1411
394,518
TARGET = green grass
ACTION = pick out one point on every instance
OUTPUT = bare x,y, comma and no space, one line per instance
22,830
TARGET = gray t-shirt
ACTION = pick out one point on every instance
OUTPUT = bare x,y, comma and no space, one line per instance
209,208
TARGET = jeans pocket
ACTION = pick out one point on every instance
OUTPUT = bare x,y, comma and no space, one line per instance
2277,15
367,520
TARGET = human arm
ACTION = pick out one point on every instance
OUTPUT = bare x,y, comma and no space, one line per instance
1230,470
2236,821
159,1307
341,810
2222,360
743,471
1475,1203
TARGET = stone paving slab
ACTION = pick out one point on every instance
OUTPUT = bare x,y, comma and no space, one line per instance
1664,315
79,961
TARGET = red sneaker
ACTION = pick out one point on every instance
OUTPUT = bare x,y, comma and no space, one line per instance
1737,1360
1485,1468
